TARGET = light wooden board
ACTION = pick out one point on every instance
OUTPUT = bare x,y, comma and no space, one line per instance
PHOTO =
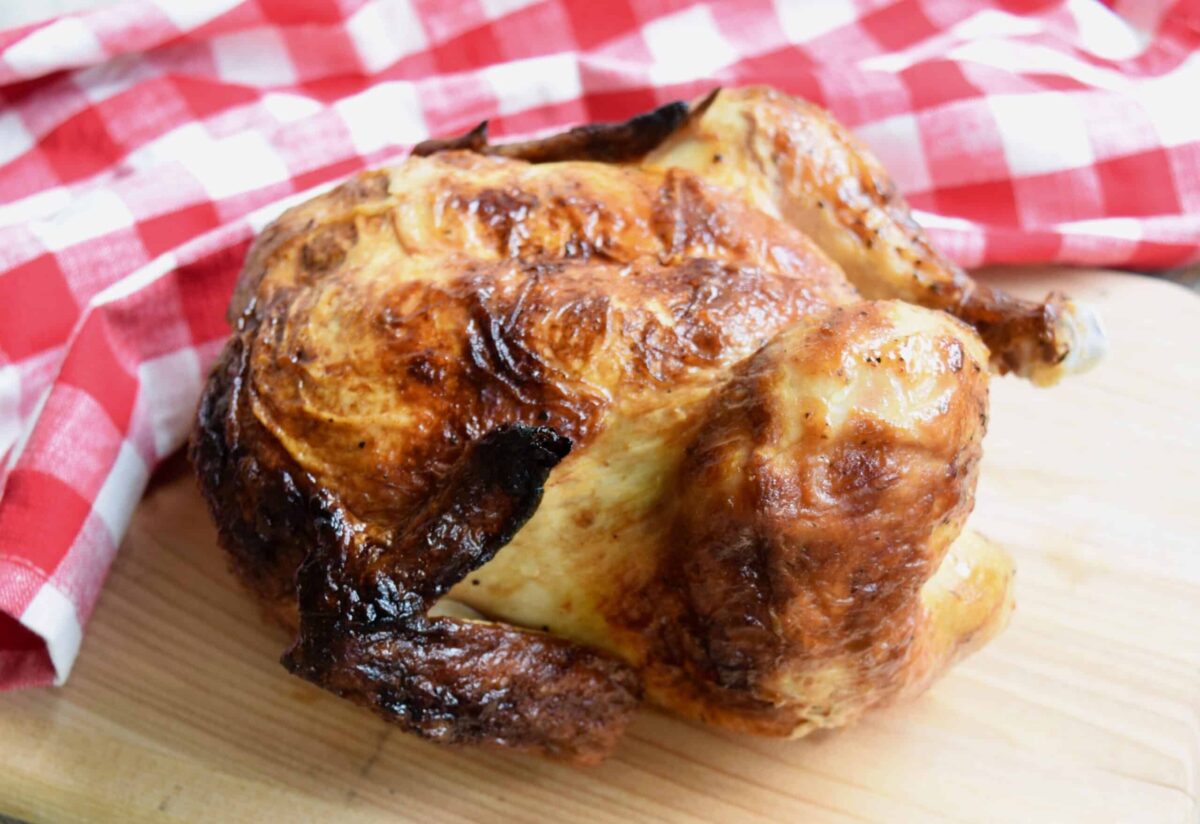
1086,709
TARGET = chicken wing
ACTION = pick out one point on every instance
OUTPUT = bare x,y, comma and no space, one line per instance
793,161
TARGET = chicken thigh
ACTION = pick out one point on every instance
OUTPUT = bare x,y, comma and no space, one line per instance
515,437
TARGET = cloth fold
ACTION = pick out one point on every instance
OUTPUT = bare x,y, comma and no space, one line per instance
143,145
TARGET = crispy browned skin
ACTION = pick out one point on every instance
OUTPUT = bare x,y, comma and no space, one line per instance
364,595
758,521
814,507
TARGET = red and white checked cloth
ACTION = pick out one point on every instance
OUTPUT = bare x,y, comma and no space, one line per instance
141,146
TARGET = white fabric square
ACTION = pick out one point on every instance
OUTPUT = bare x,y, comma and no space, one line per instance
52,615
10,408
188,14
67,41
122,488
240,163
385,115
287,108
686,46
1095,241
15,139
96,213
995,24
1168,102
495,9
802,22
523,84
169,387
896,141
1021,56
189,140
1125,228
1103,32
384,32
35,207
257,57
1043,132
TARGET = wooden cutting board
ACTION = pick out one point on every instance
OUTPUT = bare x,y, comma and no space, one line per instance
1086,709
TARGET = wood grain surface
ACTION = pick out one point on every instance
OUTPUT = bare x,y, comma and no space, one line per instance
1087,709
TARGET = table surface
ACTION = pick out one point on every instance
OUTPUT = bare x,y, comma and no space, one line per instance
1086,709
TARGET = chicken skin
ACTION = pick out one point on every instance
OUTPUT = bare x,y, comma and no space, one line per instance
684,410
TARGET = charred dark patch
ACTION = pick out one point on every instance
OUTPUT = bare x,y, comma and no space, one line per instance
365,633
606,142
250,485
475,140
327,247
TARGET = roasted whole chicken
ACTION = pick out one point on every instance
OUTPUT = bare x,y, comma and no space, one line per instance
685,409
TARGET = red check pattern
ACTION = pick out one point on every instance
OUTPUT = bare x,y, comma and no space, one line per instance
141,147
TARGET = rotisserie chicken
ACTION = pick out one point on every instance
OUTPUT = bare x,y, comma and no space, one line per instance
685,409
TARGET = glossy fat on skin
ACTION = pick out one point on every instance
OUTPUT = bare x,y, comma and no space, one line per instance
791,160
386,328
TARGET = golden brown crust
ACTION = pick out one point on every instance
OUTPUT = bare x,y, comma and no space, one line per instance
295,223
413,351
536,314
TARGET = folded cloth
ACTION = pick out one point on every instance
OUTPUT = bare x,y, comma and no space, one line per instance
142,146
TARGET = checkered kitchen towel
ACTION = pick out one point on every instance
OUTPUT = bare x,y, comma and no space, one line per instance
141,146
